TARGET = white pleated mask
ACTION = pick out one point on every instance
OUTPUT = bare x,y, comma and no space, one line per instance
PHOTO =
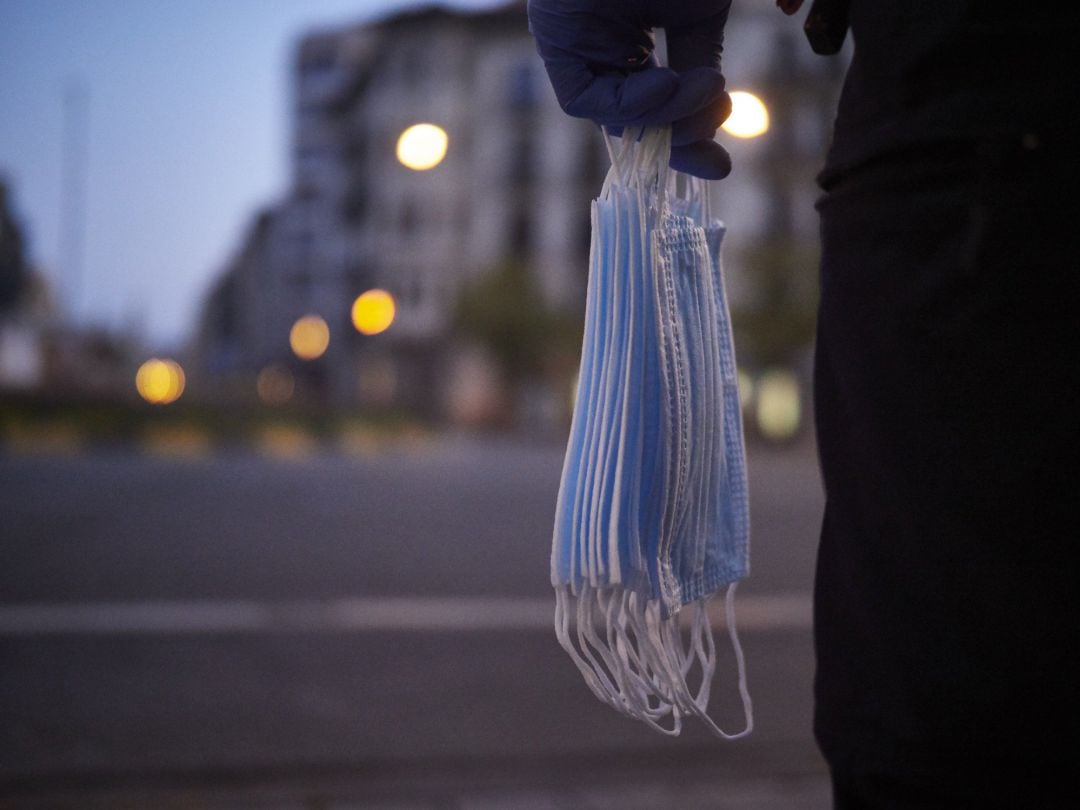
652,513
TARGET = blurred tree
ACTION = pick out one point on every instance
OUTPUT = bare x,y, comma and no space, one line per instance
505,312
14,271
778,322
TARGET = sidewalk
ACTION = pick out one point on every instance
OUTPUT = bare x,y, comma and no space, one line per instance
747,777
128,693
791,793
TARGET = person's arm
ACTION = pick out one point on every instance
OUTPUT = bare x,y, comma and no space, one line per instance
600,58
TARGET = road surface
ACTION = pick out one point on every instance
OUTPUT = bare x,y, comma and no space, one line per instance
335,630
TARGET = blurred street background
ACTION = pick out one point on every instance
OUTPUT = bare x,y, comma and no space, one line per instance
291,301
372,628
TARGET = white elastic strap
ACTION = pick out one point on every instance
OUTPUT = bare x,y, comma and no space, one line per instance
740,664
562,633
640,666
615,162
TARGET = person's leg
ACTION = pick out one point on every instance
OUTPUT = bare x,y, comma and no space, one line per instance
863,791
992,785
946,394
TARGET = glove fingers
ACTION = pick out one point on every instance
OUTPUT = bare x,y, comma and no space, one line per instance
698,44
652,97
701,125
599,58
621,100
697,90
705,159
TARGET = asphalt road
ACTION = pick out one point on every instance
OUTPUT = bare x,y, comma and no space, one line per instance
361,631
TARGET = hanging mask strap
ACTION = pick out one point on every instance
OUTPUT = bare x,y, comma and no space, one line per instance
641,160
616,173
704,632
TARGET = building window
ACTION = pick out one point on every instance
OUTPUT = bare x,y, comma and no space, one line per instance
584,232
314,153
318,62
594,163
318,77
415,67
354,207
409,219
462,219
520,234
302,283
360,276
524,89
523,157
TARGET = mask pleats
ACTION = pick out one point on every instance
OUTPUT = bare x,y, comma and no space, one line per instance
652,515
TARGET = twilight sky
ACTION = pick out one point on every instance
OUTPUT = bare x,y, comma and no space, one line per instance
186,111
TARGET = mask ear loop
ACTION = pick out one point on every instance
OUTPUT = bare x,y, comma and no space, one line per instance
699,704
660,163
629,695
643,685
652,680
643,665
617,165
562,633
705,194
639,683
679,660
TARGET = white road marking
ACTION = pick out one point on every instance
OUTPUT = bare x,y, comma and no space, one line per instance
754,613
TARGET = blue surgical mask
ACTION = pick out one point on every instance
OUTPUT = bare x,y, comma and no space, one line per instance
652,514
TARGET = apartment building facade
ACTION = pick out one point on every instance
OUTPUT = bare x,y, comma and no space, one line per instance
514,186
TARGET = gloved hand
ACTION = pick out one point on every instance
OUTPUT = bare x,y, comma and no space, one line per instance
599,57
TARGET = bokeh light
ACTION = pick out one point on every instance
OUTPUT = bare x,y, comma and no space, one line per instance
779,405
373,312
275,385
746,389
422,146
160,382
309,337
749,116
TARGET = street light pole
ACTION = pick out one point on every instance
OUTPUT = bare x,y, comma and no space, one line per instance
73,193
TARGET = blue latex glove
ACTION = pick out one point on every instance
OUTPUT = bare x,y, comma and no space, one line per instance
599,57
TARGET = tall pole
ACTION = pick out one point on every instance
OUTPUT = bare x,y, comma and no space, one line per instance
73,195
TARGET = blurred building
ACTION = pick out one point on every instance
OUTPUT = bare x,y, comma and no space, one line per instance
767,203
514,187
41,351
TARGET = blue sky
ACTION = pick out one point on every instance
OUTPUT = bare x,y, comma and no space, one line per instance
187,136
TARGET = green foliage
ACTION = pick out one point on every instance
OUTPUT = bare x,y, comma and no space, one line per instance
505,312
14,272
779,320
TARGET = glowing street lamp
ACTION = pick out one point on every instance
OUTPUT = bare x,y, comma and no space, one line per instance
779,411
160,382
422,146
749,117
309,337
373,312
746,389
275,385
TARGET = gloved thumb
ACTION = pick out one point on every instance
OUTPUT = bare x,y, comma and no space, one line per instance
703,123
705,159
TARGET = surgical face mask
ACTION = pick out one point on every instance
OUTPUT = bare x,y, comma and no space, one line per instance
652,514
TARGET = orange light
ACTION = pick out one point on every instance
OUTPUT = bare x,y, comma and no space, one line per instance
422,146
160,382
749,116
309,337
373,312
779,412
275,385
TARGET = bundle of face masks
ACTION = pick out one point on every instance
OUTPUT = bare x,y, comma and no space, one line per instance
652,514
